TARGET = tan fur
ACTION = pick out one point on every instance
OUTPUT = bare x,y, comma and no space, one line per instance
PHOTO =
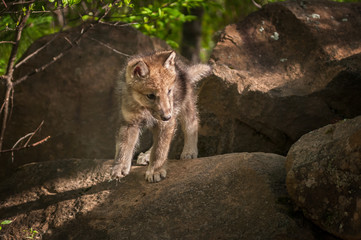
156,90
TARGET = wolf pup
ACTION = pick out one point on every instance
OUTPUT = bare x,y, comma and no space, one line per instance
155,91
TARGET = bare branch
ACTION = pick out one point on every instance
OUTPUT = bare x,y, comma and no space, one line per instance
35,52
119,24
42,68
256,4
21,139
6,112
11,42
67,39
14,50
20,2
109,47
33,133
2,107
72,44
25,147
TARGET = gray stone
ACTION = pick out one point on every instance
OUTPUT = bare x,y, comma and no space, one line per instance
266,93
324,177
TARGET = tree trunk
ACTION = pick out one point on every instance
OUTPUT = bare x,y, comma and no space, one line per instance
192,36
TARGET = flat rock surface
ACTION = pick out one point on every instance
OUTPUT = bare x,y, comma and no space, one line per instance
234,196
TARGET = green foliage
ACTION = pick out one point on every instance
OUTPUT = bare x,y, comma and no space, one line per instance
5,222
162,19
40,23
31,233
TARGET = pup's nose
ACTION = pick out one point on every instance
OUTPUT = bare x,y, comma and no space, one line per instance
166,118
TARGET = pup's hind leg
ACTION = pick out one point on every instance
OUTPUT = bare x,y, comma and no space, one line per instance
189,122
143,158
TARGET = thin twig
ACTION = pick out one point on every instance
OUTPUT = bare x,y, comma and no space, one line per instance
116,24
20,2
5,4
11,42
107,46
257,4
25,147
60,55
35,52
42,68
21,139
29,136
2,107
67,39
33,133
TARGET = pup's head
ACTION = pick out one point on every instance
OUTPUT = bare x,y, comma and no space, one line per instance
151,79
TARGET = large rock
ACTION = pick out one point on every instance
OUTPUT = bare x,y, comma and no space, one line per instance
74,96
283,71
234,196
324,177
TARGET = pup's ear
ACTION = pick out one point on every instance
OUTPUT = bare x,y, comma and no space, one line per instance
139,69
170,61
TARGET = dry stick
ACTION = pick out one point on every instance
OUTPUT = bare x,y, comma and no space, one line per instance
5,4
25,147
107,46
10,72
29,136
35,52
20,2
2,42
256,4
33,133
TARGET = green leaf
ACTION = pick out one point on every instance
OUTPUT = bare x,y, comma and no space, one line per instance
6,222
172,43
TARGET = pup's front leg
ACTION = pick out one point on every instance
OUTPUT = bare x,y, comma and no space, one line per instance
162,137
126,140
189,122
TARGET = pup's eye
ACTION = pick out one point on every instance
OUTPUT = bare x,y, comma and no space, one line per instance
169,91
151,96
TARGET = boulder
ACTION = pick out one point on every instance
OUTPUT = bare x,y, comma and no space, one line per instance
74,95
324,177
234,196
283,71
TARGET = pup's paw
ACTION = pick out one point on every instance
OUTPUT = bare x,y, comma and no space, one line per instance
120,170
143,158
155,176
189,155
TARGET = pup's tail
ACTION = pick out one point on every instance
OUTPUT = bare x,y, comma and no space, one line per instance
198,71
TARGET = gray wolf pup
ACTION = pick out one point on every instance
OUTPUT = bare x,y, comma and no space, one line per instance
155,91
